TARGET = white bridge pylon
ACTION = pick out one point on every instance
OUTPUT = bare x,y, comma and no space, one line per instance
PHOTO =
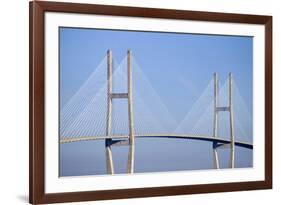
110,97
91,115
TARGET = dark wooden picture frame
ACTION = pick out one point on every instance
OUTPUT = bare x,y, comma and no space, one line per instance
37,10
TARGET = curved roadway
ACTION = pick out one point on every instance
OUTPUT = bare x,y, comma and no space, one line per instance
173,136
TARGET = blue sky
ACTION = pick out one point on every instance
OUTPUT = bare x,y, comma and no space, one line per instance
186,61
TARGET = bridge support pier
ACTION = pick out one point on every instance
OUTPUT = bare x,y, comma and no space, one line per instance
109,160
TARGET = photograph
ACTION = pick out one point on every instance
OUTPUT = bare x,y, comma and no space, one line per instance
129,102
136,101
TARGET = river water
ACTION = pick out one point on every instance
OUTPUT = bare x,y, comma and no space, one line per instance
151,155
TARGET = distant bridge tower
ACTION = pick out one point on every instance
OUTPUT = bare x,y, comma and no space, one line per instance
218,109
110,96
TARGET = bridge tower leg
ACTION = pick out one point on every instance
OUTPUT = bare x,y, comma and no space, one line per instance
109,160
130,166
215,126
232,142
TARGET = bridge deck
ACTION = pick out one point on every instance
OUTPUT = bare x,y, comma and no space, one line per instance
176,136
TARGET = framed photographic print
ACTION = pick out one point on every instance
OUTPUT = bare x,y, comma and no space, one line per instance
138,102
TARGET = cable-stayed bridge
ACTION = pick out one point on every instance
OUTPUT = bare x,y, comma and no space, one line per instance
118,104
